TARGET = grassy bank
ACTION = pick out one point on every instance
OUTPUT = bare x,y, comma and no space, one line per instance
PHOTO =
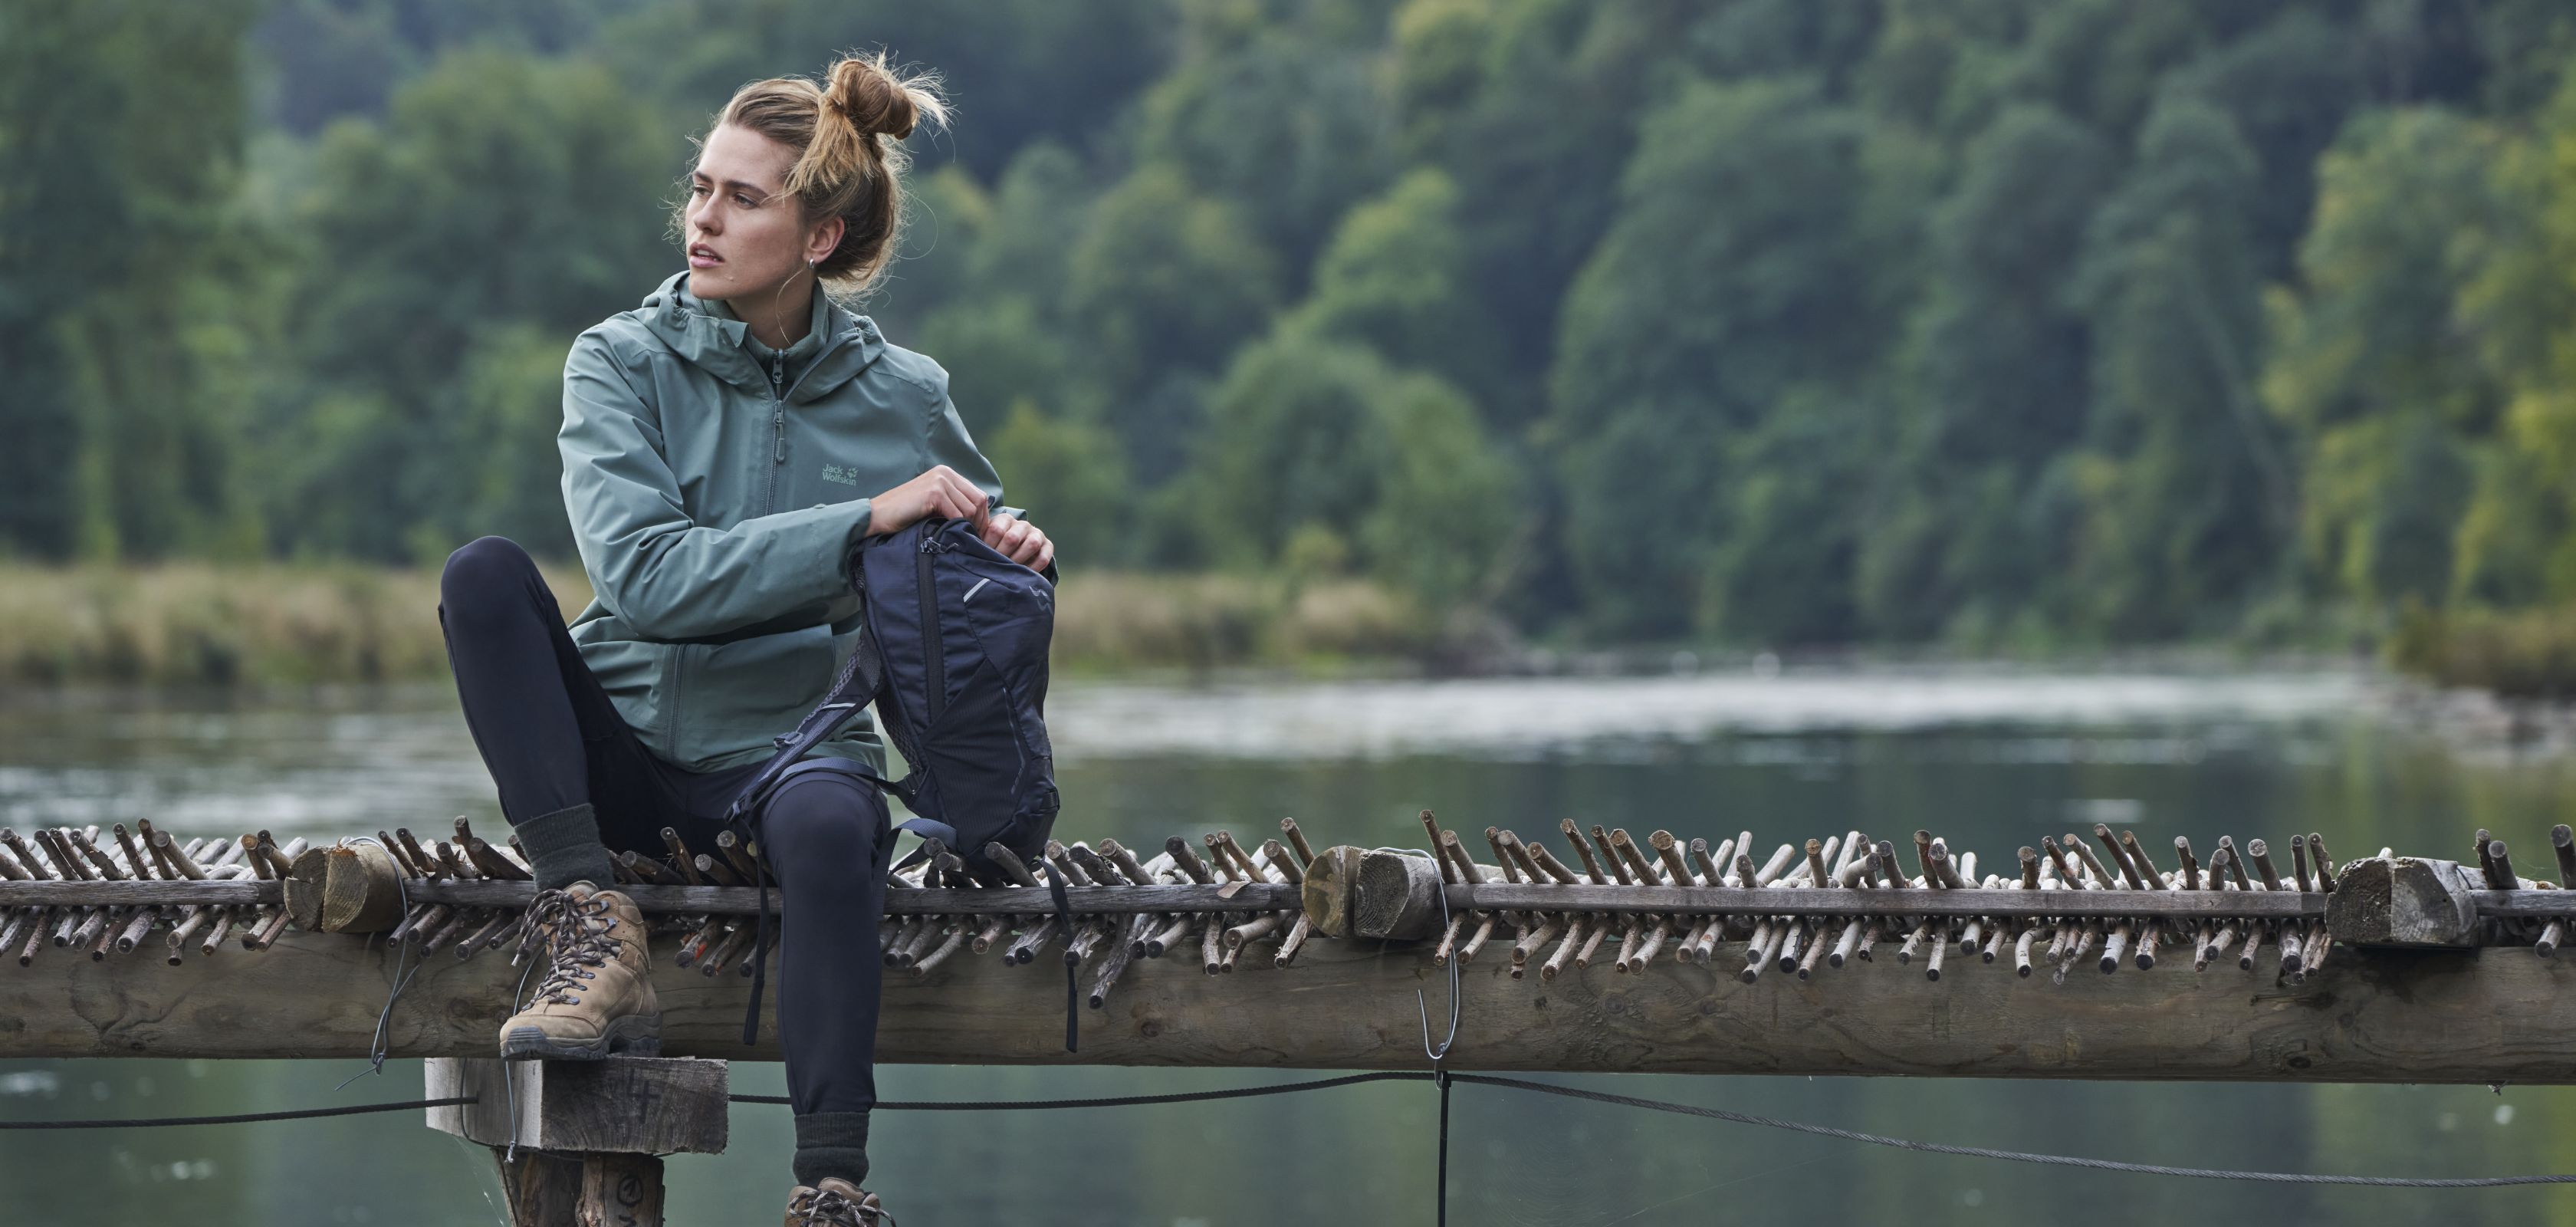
2524,654
274,624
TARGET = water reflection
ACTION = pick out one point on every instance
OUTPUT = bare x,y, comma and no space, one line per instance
1991,760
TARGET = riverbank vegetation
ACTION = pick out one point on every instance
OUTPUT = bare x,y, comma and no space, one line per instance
196,624
1974,325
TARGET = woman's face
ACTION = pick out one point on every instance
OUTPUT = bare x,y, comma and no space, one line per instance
744,235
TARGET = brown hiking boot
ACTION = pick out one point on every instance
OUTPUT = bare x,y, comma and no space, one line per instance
838,1203
596,999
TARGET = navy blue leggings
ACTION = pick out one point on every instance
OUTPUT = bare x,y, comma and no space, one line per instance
553,740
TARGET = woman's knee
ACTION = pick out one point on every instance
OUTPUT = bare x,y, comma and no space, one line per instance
486,579
822,818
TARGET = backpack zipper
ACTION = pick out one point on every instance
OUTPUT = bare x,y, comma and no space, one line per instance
934,662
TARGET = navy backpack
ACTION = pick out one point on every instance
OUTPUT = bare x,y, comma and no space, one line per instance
952,651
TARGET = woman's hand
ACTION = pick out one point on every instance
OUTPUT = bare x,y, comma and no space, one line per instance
1019,541
939,493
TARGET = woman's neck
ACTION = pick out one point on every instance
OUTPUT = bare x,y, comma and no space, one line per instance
778,319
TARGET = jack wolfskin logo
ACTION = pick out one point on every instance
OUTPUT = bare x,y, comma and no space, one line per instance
844,474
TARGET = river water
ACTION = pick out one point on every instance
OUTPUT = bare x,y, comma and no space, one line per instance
1992,759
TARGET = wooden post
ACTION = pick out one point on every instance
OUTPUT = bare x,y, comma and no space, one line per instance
1396,897
539,1187
620,1190
588,1134
2405,901
1326,893
344,888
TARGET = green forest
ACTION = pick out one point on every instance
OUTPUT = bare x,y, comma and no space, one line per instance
1989,325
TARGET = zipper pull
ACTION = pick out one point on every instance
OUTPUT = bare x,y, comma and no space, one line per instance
778,423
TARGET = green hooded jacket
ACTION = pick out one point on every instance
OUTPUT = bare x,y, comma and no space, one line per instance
713,501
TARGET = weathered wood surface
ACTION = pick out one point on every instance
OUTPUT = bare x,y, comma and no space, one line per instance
537,1187
643,1105
1249,897
2406,901
1809,901
2464,1016
1258,897
120,894
619,1190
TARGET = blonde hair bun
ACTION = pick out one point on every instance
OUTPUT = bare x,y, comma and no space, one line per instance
867,91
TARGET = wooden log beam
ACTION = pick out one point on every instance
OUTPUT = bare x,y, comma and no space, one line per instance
2370,1015
1811,901
1249,897
1258,897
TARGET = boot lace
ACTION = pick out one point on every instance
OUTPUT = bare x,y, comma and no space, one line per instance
578,934
828,1208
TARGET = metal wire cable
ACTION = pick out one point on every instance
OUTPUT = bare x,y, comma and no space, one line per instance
1118,1101
246,1118
1445,1077
1981,1152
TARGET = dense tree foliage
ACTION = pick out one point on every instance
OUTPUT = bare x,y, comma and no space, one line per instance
1980,322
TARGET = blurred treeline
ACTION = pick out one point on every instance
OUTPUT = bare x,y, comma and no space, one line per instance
1990,323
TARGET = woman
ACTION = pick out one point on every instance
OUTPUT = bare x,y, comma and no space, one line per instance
715,443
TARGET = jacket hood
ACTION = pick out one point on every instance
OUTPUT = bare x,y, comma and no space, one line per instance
712,341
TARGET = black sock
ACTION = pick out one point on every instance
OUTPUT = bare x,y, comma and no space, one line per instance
564,848
830,1144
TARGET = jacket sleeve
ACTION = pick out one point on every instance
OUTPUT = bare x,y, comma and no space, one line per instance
665,577
949,444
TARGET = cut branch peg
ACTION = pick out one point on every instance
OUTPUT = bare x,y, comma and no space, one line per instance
2102,878
422,863
1592,867
2503,861
2262,858
2119,857
1610,856
2147,871
683,860
2065,872
1297,842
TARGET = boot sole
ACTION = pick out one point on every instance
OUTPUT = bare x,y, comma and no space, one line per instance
636,1035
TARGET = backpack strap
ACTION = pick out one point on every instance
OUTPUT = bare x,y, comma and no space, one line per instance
859,682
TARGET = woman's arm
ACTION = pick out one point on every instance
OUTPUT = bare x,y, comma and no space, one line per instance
664,576
961,484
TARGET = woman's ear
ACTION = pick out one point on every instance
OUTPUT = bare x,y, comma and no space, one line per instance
826,237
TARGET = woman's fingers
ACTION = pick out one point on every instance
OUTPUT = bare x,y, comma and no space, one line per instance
1028,547
942,492
972,502
1016,539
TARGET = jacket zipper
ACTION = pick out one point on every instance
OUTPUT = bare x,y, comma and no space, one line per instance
934,661
777,424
